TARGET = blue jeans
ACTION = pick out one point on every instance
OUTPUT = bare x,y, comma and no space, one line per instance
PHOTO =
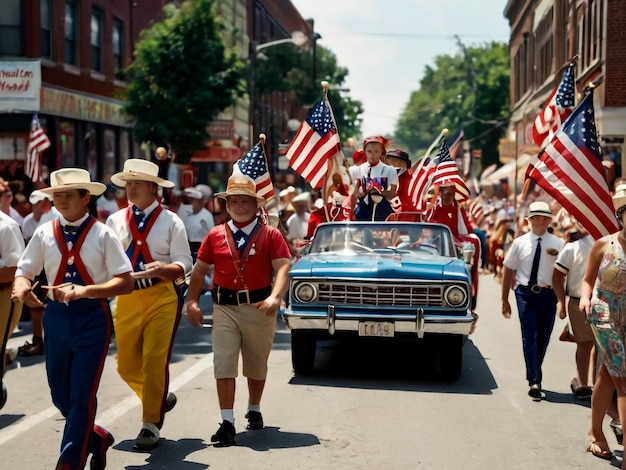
537,313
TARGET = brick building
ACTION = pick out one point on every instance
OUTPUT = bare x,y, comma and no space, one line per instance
545,34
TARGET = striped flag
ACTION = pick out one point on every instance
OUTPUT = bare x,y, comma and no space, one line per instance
421,180
558,107
254,165
476,210
37,143
315,142
570,170
448,172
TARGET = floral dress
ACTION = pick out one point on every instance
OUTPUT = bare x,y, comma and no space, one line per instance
608,309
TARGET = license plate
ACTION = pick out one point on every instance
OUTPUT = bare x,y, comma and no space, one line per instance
376,328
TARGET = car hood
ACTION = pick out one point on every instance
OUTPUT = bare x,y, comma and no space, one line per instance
380,266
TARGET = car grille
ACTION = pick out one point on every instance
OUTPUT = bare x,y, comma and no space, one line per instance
381,294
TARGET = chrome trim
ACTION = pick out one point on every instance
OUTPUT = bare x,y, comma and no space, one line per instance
330,323
420,323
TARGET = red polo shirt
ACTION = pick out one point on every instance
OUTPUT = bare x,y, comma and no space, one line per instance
257,268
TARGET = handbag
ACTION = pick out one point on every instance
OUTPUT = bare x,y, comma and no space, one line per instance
566,335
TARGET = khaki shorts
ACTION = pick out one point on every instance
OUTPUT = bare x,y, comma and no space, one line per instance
580,325
241,328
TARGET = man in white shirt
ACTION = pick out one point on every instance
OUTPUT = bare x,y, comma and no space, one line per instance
298,223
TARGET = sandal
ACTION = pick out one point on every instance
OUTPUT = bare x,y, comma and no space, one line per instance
600,449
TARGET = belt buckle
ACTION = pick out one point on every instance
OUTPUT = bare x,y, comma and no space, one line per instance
536,289
246,298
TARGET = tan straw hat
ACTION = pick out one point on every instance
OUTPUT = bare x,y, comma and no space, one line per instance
137,169
539,208
241,185
73,178
619,198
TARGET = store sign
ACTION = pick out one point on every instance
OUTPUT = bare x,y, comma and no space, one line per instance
221,129
20,83
86,108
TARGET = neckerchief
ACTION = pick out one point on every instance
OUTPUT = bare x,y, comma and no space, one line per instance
71,268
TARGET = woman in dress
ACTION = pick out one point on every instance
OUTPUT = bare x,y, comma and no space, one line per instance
603,299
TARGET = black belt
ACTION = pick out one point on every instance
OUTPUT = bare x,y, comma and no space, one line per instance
225,296
536,289
575,298
145,282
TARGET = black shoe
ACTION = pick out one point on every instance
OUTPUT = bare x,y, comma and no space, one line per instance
225,435
170,403
255,420
102,440
617,430
535,392
31,349
148,437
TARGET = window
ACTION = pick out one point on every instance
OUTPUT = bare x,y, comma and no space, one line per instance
71,34
118,44
96,40
11,42
46,28
590,34
544,47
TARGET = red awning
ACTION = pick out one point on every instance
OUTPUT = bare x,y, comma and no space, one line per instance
217,154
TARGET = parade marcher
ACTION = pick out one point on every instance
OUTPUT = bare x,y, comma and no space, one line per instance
6,198
569,270
447,211
602,298
375,183
86,264
199,221
11,248
336,210
146,320
400,160
298,223
530,261
245,254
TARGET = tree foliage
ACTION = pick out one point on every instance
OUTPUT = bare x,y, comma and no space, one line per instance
288,68
182,76
469,90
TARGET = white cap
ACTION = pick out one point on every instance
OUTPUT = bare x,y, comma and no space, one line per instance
194,193
38,196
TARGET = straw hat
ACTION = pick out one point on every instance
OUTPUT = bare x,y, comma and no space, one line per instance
73,178
137,169
539,208
619,198
241,185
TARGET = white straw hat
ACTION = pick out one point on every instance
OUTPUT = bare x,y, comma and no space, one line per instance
73,178
137,169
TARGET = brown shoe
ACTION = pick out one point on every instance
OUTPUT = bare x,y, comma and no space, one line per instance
31,349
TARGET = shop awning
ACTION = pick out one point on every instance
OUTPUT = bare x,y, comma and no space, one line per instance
508,170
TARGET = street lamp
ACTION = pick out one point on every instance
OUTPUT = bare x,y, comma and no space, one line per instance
298,38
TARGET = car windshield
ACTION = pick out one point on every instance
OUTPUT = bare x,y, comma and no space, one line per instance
432,239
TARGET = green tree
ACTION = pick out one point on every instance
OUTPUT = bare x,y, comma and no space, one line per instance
288,68
182,76
469,90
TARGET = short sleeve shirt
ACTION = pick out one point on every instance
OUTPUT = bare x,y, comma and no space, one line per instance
572,261
520,256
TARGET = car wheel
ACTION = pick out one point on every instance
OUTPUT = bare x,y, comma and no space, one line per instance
303,344
450,357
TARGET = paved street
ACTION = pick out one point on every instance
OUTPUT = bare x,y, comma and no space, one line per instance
371,406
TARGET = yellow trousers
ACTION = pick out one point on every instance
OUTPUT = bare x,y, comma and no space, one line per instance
5,310
145,327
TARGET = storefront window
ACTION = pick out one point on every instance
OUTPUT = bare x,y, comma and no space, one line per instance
109,166
68,144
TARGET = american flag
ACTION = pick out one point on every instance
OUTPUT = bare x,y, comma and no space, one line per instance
315,142
448,172
558,107
570,170
253,164
476,210
37,143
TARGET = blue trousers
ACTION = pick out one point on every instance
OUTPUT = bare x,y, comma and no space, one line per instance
537,313
77,342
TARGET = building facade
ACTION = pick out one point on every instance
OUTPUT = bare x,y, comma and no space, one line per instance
545,35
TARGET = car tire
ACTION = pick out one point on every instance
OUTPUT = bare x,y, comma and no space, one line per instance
450,357
303,345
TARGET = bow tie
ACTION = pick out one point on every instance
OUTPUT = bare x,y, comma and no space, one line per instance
139,213
71,229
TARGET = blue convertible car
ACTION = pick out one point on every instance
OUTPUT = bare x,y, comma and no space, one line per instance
381,279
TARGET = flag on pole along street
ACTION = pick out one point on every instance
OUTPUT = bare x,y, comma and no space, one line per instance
315,142
254,165
570,170
558,107
37,143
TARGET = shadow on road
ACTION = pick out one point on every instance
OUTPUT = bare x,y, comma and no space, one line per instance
406,366
273,438
169,454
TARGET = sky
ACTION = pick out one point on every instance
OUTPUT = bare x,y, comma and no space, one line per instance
386,45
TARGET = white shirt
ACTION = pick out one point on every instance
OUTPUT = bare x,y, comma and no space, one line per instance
381,170
298,226
167,240
101,253
11,241
520,257
198,225
30,224
572,261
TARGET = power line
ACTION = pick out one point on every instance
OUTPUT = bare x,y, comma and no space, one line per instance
417,35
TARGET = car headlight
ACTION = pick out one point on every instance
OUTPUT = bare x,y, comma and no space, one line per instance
305,292
455,296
